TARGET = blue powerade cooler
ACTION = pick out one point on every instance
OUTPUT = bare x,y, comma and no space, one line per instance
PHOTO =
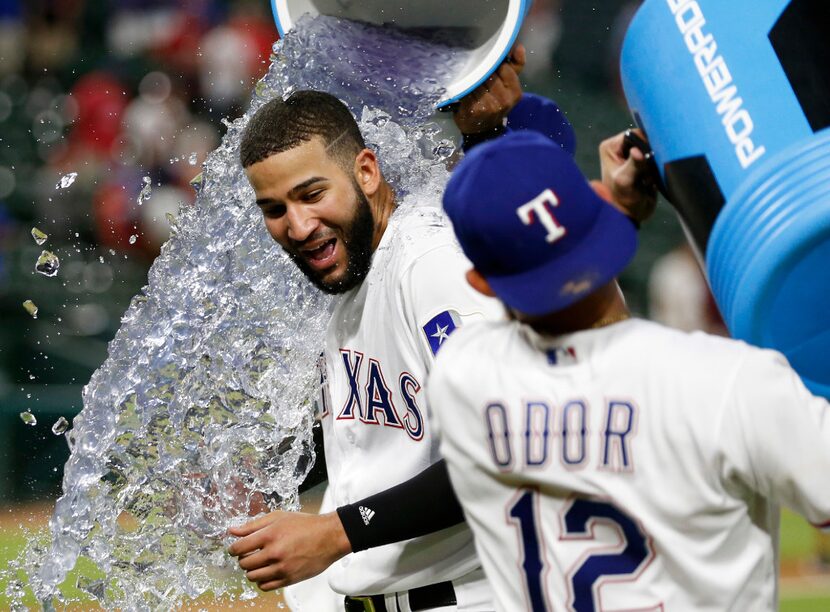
735,98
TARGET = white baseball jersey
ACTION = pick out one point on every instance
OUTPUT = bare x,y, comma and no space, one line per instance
379,349
631,467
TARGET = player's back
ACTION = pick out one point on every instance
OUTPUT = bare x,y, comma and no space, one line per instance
622,467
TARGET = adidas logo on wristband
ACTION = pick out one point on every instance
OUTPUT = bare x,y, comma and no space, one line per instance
366,514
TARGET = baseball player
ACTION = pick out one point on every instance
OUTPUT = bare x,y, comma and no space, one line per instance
399,272
605,462
400,276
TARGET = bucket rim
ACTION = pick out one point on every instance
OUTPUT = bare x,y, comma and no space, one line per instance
516,12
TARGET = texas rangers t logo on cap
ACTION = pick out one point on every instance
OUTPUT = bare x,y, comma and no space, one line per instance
439,328
538,206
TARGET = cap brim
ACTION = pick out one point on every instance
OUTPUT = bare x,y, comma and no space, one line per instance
600,256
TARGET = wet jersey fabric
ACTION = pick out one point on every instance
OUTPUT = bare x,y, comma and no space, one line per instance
380,346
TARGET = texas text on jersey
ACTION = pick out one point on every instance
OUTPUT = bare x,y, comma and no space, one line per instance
380,346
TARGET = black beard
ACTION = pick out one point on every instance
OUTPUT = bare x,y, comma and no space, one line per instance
357,240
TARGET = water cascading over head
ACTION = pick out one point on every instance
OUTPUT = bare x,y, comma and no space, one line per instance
203,409
488,28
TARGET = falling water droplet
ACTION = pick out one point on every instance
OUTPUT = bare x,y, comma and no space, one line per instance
66,180
193,159
196,182
28,418
60,426
48,263
133,238
31,308
146,190
39,236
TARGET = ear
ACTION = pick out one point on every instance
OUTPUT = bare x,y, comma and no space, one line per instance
367,172
479,283
602,191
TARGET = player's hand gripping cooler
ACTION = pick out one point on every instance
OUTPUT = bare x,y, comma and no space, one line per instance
735,99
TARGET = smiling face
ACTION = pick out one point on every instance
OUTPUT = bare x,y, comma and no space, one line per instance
317,211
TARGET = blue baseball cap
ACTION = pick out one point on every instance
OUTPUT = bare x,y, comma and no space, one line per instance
539,114
533,226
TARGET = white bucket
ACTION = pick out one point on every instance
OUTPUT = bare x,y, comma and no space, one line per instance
494,25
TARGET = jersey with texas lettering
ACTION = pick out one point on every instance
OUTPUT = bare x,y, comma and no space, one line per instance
630,467
380,346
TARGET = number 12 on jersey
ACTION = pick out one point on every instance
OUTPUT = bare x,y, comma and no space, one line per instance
595,566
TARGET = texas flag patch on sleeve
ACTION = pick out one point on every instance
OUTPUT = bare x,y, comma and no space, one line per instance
439,328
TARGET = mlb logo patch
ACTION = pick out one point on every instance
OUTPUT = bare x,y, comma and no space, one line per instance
561,355
439,328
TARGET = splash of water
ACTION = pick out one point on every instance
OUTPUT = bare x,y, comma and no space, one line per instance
66,180
201,413
146,190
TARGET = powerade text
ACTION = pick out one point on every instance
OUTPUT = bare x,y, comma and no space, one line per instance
717,79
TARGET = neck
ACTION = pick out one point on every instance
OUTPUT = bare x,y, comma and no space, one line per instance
383,205
603,307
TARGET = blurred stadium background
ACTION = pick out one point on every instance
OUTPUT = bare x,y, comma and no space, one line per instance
133,92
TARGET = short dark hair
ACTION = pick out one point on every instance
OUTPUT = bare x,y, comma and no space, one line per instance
281,125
